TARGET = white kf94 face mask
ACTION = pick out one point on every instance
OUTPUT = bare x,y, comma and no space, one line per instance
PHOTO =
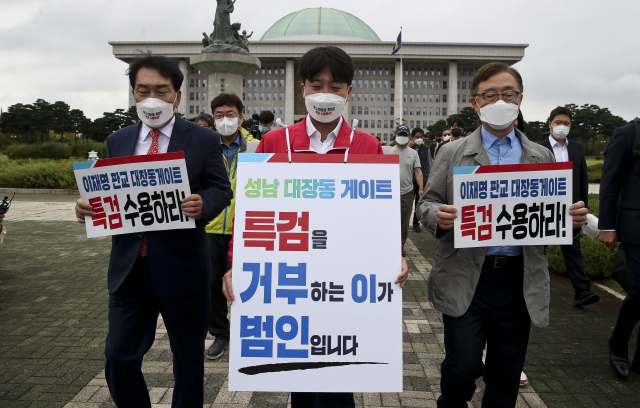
418,141
561,132
499,115
155,112
325,107
226,126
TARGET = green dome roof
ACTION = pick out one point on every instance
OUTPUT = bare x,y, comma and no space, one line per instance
321,21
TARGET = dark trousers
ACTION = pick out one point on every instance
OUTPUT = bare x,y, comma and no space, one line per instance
497,316
406,203
219,252
575,264
133,315
322,400
630,310
416,198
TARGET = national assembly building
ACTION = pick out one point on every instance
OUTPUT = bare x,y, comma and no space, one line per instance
426,83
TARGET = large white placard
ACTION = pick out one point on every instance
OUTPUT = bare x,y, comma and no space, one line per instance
316,254
520,204
134,193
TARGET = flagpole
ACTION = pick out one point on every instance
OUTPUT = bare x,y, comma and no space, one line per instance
401,84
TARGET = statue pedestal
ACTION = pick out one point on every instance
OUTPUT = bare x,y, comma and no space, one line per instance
225,71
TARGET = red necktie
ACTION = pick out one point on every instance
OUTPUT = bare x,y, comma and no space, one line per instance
153,149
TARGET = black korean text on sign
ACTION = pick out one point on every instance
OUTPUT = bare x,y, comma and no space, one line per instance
535,221
158,207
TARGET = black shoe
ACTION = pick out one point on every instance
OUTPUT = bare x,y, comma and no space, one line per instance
585,298
217,348
416,227
404,254
619,363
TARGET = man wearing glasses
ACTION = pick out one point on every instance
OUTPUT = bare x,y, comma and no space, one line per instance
487,295
227,113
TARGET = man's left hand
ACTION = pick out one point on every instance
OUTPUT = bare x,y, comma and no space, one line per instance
402,278
579,213
192,206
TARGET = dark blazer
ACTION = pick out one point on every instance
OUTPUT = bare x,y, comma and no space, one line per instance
619,187
178,259
580,176
425,163
432,150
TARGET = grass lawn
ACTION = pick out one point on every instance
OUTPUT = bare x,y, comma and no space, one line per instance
3,157
591,162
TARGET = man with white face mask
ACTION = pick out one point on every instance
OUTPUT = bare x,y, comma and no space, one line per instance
417,144
327,73
162,271
487,295
227,113
565,151
409,168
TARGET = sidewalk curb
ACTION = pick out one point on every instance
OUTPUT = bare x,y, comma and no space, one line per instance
613,292
38,191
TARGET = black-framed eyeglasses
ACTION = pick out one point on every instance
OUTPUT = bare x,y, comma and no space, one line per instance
491,97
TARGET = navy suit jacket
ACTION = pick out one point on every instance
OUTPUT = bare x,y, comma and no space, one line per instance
619,187
580,173
178,259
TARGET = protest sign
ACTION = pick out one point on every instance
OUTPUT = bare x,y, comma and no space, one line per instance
316,254
516,204
134,193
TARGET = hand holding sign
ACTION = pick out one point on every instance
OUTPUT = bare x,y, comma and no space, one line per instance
192,206
446,216
83,209
579,214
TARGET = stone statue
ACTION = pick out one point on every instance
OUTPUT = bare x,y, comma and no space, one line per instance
244,38
225,37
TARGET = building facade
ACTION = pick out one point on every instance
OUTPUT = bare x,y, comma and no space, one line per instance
425,83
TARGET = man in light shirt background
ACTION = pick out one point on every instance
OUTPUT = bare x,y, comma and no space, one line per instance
566,150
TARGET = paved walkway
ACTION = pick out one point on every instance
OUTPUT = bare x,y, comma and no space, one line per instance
53,305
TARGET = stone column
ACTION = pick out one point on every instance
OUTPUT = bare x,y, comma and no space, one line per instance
452,108
182,108
225,71
399,91
289,89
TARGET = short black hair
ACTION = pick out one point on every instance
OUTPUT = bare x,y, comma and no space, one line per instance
458,122
417,130
438,133
228,100
246,124
266,117
338,62
470,129
207,118
165,67
560,110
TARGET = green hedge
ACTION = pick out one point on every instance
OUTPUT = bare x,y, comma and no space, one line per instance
55,150
594,172
42,173
598,259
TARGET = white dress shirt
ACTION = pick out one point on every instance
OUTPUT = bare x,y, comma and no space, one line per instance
561,152
315,139
144,138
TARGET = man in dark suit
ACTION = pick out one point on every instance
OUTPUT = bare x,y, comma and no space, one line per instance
620,221
570,150
162,271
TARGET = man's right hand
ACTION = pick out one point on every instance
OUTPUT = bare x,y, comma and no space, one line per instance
227,290
609,238
446,216
83,209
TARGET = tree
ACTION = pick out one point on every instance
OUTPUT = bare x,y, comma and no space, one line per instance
60,119
467,115
592,123
439,126
536,131
79,123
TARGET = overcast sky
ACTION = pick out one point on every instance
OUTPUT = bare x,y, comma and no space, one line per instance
580,51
